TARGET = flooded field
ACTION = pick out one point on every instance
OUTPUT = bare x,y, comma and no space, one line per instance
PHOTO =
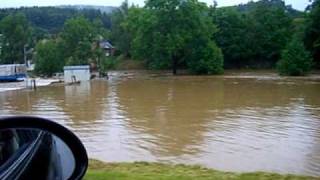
240,122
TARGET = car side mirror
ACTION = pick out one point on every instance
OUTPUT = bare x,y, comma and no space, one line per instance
37,148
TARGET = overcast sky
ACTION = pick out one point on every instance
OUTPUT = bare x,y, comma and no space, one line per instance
298,4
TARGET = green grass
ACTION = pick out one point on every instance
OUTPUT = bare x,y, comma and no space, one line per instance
156,171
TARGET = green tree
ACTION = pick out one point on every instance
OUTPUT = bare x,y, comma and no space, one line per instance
312,35
15,31
232,29
49,59
120,33
252,35
140,23
76,45
295,59
99,30
268,33
78,35
206,59
170,32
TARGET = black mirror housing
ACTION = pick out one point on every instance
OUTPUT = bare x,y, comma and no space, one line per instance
66,136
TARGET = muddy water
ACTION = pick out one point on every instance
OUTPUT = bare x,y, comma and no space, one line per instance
237,122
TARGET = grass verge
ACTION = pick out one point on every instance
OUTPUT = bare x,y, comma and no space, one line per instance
156,171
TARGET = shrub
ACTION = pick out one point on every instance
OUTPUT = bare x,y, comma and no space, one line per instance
121,57
206,60
295,59
108,63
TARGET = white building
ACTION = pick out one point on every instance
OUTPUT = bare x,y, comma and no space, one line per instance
12,72
74,74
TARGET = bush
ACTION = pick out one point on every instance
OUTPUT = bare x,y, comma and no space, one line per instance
206,60
295,59
121,57
108,63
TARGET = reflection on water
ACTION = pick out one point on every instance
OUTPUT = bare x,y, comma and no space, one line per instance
233,123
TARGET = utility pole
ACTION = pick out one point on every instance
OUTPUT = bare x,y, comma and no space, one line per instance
25,54
1,44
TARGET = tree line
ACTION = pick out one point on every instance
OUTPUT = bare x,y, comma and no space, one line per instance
172,34
50,20
206,40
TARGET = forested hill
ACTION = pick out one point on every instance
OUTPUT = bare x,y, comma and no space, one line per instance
51,19
250,6
103,9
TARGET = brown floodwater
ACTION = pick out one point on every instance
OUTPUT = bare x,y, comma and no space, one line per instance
239,122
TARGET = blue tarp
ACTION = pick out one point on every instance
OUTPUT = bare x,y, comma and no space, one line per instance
12,77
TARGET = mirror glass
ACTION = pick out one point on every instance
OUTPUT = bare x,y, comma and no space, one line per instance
26,153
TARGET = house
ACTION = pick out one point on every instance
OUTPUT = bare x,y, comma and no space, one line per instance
107,47
74,74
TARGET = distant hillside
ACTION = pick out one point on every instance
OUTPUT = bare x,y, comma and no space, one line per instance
103,9
51,19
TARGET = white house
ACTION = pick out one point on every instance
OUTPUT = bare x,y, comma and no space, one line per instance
74,74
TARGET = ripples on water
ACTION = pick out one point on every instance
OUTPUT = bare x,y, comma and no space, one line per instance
233,123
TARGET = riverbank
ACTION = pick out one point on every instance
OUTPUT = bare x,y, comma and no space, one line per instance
150,171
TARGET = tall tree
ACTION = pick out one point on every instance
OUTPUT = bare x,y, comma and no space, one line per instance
77,37
268,32
15,31
48,59
172,30
231,34
253,35
120,33
295,59
170,33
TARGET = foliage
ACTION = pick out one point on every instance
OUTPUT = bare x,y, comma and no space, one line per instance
78,36
149,171
120,33
293,13
269,33
15,31
168,31
207,59
312,35
76,45
51,19
48,58
168,34
108,63
99,30
231,35
139,23
253,37
295,59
